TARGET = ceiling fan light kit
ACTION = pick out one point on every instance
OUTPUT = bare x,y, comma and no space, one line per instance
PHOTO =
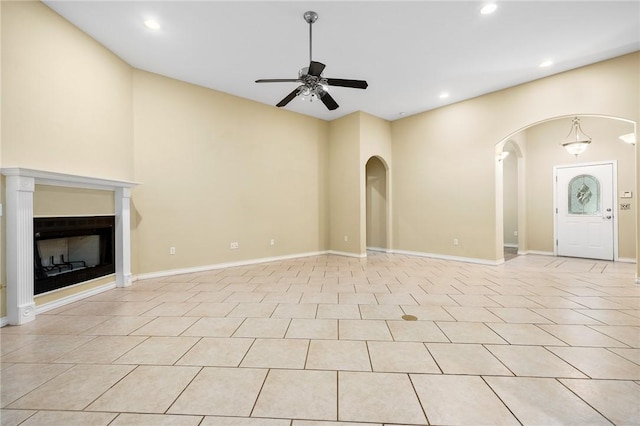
313,84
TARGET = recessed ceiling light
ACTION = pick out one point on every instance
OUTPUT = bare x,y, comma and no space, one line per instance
444,95
402,113
488,8
152,24
545,64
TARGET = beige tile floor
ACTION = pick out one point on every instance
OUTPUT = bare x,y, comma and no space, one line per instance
321,341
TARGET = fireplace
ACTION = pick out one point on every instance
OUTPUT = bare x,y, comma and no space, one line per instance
20,239
71,250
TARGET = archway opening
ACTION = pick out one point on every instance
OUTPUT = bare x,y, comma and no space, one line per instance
511,164
541,151
376,205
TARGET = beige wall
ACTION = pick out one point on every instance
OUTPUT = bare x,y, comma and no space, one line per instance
66,106
62,201
443,182
354,139
544,152
217,169
344,185
444,160
66,100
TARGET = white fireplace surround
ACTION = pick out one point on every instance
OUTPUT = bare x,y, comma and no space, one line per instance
20,186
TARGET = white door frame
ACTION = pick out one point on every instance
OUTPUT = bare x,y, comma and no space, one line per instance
614,164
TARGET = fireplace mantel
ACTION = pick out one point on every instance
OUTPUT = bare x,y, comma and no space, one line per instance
20,186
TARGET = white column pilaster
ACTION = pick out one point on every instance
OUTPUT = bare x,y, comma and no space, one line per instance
123,236
20,267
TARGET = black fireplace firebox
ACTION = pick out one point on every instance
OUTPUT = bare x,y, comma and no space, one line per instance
71,250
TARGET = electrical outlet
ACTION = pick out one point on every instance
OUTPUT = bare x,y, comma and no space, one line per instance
272,242
172,250
515,233
346,238
455,241
234,245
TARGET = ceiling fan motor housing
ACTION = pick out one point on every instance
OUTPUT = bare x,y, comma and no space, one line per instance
316,84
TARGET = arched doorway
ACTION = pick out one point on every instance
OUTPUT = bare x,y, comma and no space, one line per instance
513,202
539,145
377,223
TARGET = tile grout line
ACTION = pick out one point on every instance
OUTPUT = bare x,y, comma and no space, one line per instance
483,378
558,380
413,386
264,381
110,387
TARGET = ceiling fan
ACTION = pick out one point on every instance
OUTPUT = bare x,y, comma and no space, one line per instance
313,83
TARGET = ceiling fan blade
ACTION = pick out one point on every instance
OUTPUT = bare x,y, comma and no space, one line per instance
278,80
355,84
289,97
329,102
316,68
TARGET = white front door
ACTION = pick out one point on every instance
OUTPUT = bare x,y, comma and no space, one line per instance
585,210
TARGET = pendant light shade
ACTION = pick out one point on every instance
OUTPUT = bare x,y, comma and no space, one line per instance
577,141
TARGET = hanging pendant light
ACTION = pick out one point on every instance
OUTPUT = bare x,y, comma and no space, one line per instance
576,141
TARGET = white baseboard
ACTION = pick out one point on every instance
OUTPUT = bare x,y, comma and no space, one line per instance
74,298
379,249
66,300
510,245
448,257
344,253
171,272
549,253
540,252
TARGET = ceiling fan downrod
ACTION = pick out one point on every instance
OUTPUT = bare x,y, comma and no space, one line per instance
310,17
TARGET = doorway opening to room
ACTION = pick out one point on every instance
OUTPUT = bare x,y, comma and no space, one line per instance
527,174
377,206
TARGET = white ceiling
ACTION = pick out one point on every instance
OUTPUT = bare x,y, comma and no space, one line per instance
409,52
